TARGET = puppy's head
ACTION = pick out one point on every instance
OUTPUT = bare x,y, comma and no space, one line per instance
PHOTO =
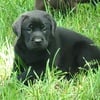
35,29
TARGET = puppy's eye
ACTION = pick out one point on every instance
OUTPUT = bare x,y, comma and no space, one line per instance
29,28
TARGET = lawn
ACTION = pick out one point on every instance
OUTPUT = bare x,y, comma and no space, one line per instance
86,21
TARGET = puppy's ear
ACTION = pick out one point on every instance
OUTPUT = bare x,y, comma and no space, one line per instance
16,26
53,23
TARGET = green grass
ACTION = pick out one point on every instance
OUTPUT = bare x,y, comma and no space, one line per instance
86,21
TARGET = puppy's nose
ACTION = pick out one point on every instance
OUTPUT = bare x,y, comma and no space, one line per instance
38,40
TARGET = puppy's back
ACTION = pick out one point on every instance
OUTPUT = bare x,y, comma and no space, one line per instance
70,36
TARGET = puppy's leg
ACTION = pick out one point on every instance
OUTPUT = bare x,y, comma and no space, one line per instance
88,54
21,69
26,76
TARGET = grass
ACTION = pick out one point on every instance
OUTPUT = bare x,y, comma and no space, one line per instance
86,21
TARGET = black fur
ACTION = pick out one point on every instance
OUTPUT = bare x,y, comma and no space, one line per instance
37,34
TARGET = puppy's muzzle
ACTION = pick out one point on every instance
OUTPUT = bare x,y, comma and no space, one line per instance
37,41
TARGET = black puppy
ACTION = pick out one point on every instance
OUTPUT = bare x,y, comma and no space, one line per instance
39,39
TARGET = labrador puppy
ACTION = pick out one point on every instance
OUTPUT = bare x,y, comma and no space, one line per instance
58,5
61,5
38,39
